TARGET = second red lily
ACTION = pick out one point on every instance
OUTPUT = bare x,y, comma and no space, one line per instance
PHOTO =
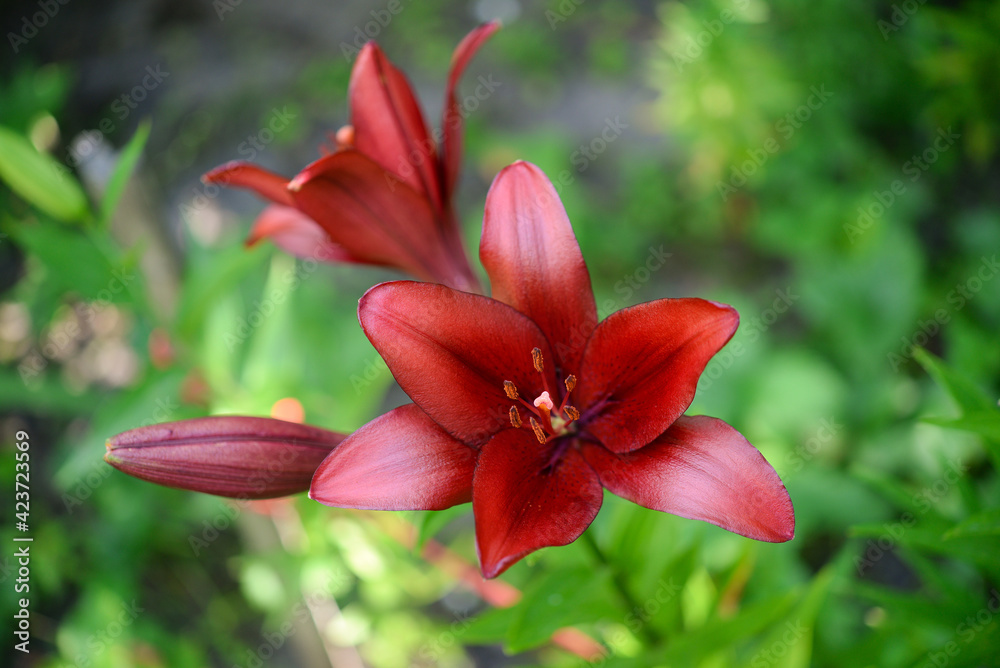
527,406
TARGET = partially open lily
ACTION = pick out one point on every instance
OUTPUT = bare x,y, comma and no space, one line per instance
527,406
384,196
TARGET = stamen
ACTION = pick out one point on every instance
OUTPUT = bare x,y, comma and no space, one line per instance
515,418
536,357
570,382
572,413
539,432
511,390
544,401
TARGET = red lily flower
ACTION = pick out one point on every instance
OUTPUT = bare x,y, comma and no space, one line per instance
384,196
526,406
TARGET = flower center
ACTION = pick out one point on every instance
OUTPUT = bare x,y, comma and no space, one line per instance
546,421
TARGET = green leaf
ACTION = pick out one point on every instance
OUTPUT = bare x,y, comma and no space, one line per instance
123,170
986,523
39,178
984,423
965,392
571,597
434,520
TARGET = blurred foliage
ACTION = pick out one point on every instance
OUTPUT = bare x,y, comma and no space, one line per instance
828,169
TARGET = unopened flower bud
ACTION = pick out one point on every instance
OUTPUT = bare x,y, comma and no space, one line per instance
242,457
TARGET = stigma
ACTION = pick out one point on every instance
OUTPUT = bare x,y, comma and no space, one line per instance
548,421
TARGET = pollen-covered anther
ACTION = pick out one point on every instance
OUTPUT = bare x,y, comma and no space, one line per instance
539,432
570,383
515,418
544,401
572,413
510,390
536,358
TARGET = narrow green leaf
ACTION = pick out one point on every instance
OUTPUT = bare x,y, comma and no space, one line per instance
123,170
984,423
39,178
965,392
986,523
434,521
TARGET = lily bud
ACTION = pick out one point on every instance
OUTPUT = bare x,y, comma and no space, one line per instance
242,457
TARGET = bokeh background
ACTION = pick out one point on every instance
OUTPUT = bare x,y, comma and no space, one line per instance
829,168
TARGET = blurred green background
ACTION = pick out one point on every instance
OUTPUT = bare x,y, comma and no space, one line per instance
829,168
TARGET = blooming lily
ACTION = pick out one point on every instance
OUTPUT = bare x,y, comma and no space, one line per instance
527,406
384,196
243,457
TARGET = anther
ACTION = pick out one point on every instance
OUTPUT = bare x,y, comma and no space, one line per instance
572,413
510,389
515,418
570,382
536,357
537,428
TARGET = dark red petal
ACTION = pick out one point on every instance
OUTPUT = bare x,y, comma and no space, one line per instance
297,234
376,218
641,367
451,352
534,262
244,457
267,184
522,504
702,469
388,125
400,461
451,123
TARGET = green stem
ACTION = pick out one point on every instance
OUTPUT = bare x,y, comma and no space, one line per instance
649,634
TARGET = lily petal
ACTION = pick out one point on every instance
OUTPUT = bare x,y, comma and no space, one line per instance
376,218
451,123
297,234
534,262
522,504
451,352
641,367
388,124
400,461
244,457
267,184
702,469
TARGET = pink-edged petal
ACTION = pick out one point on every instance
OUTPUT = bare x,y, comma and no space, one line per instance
267,184
534,262
702,469
641,366
297,234
451,352
451,123
388,124
400,461
522,501
244,457
376,218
